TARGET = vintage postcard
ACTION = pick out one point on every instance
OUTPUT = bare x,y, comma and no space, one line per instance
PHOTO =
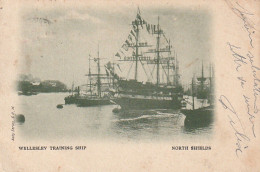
130,85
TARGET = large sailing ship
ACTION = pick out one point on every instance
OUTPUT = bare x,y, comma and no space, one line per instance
142,88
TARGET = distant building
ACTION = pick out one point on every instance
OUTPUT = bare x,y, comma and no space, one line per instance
26,83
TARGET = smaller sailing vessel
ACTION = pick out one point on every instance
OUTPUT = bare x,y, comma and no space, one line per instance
202,115
97,92
202,91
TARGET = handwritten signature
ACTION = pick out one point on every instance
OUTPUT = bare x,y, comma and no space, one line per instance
256,89
251,117
243,61
236,124
243,14
239,59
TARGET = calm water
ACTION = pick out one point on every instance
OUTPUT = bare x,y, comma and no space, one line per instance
44,121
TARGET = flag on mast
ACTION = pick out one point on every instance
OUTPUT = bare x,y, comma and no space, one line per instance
118,55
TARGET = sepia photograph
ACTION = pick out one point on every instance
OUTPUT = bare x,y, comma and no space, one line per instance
128,73
129,85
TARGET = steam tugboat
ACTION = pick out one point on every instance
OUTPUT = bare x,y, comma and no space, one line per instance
72,99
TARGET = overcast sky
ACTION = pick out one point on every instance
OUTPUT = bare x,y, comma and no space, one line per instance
59,49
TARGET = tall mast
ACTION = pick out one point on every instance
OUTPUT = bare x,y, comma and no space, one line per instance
210,75
72,88
168,63
113,78
202,76
98,77
210,84
136,55
193,92
202,71
158,54
89,73
136,46
176,71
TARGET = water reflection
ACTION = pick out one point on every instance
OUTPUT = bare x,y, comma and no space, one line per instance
45,121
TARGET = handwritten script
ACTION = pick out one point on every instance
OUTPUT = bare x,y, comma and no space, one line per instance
244,62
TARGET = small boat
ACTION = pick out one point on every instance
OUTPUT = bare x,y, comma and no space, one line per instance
204,114
20,118
116,110
59,106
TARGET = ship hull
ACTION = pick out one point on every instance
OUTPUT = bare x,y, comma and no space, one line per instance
92,102
198,116
144,104
70,100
